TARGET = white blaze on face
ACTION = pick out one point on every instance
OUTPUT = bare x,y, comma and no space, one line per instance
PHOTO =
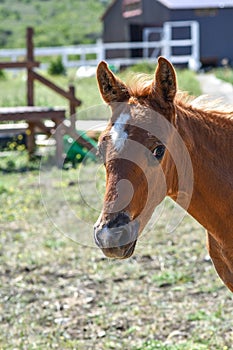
118,133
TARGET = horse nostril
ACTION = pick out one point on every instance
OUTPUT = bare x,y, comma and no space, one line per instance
117,233
121,220
100,237
113,237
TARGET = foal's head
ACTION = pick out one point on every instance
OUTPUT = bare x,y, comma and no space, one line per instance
134,148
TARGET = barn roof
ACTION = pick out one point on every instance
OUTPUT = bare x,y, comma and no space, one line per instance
190,4
184,4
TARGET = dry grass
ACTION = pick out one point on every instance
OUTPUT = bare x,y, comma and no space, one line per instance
58,294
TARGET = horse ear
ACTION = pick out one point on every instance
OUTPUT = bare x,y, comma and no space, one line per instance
165,80
112,89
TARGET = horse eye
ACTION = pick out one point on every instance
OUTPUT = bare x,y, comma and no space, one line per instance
159,152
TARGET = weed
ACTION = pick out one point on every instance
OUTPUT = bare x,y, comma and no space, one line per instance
56,67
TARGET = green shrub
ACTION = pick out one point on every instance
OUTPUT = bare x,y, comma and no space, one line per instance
56,67
2,75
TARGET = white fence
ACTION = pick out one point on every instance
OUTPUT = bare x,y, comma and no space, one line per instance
92,54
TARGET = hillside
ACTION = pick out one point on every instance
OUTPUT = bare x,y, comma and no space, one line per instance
56,22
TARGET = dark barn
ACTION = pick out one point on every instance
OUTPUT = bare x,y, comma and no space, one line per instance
126,20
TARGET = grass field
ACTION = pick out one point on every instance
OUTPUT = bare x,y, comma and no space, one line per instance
59,292
69,19
13,88
225,74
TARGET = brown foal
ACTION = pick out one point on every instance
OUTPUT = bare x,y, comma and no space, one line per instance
160,143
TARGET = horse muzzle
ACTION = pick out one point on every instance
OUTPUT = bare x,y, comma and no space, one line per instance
118,237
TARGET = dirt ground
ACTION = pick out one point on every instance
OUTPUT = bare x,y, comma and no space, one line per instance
58,294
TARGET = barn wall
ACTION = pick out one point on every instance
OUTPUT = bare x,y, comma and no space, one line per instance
155,13
216,40
216,31
115,28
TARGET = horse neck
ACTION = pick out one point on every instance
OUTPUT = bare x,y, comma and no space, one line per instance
208,137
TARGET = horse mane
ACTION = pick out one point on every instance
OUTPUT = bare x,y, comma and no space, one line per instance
139,85
204,103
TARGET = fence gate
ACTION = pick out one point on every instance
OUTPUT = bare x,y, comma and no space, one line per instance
179,42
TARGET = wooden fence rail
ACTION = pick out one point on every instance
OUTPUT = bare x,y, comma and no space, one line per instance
92,54
35,116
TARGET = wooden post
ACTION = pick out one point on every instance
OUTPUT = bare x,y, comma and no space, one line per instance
30,91
30,58
72,108
31,144
59,134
